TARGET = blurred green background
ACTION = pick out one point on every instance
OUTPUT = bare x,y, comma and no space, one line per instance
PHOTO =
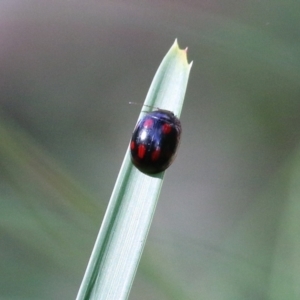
227,225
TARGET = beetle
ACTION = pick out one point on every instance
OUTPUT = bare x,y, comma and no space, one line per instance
155,140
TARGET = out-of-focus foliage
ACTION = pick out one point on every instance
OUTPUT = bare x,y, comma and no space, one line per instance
68,70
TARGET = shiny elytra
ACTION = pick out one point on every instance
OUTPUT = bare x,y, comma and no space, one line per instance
154,141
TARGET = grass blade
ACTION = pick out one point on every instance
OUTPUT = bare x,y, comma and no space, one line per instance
119,245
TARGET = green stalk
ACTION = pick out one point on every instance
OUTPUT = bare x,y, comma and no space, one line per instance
120,242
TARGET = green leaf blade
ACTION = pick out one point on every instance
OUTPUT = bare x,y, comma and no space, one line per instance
120,242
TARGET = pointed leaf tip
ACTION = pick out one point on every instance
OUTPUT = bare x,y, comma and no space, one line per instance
183,52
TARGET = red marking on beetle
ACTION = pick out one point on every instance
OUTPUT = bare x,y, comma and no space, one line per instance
148,123
132,145
141,151
155,154
166,128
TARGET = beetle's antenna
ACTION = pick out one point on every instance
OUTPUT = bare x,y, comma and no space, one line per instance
135,103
